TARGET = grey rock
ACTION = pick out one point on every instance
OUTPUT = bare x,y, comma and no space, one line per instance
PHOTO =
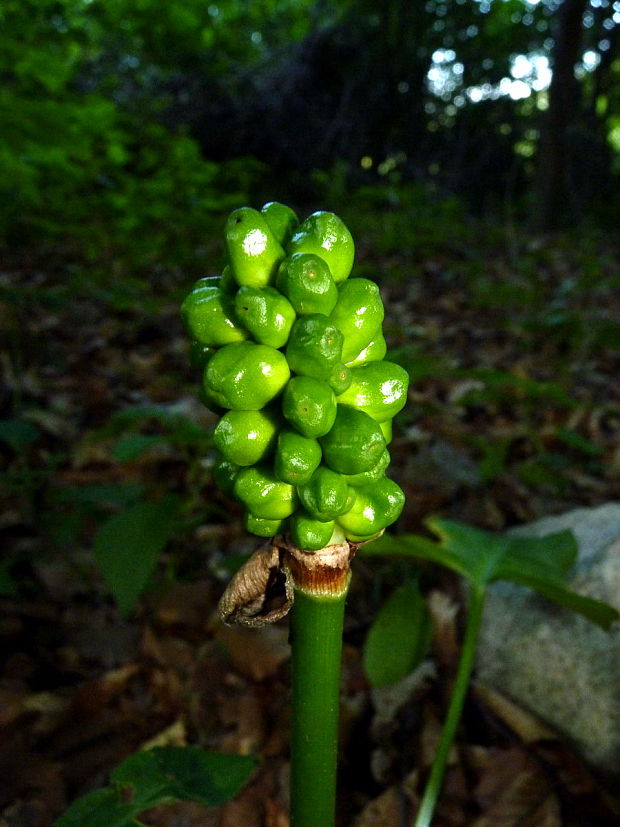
553,662
442,467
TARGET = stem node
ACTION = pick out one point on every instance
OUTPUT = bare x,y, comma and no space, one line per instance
323,573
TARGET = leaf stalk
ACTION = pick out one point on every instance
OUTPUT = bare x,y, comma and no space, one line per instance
457,700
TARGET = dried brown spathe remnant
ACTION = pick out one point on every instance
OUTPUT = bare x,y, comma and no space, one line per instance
261,592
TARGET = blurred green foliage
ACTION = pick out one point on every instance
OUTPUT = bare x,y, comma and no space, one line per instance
88,162
130,128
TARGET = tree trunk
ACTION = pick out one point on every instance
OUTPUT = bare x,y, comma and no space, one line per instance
557,203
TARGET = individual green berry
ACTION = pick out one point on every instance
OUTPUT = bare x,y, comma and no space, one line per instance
365,477
281,219
310,534
354,443
376,506
209,316
207,281
309,405
246,437
358,314
340,378
224,475
314,347
208,400
227,281
200,354
263,494
245,376
325,495
378,388
253,250
386,430
325,235
297,457
373,352
266,313
308,283
261,527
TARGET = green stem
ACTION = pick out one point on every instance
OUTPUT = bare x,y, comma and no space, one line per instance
461,683
316,638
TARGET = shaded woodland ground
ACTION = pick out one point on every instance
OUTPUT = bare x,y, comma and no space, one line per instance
513,347
129,130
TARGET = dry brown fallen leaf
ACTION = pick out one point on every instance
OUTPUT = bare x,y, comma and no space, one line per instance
527,726
390,809
513,792
255,653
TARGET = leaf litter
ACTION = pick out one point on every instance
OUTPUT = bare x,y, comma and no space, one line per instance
513,415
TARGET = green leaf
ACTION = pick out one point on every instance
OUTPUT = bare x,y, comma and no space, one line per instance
99,808
180,430
112,494
416,546
128,544
546,472
398,638
479,552
163,775
18,434
580,443
597,612
129,447
183,774
502,385
540,563
121,419
494,456
550,557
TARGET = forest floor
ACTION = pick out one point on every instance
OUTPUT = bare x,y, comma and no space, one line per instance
514,414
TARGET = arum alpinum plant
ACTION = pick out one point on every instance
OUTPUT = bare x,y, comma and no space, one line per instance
292,356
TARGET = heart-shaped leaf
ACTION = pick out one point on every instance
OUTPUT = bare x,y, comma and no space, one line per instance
540,563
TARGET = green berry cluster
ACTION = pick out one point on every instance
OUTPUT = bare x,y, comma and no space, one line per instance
292,354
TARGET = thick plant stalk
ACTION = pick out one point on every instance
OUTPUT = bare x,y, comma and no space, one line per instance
316,639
